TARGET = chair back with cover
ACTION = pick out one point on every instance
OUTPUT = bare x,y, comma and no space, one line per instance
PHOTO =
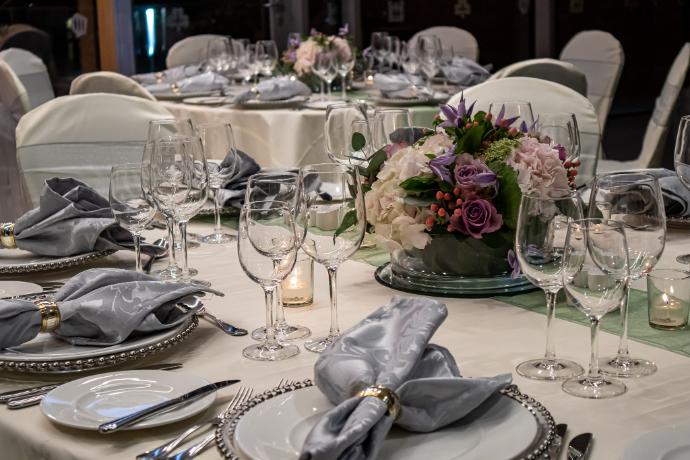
599,55
83,136
108,82
29,38
553,70
189,51
544,96
461,41
32,73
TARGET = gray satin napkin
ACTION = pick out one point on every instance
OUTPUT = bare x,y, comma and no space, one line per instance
274,89
232,193
391,348
168,76
465,72
101,307
401,86
207,81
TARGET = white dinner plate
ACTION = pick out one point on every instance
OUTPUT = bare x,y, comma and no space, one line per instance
20,261
668,443
316,104
88,402
502,428
15,288
207,100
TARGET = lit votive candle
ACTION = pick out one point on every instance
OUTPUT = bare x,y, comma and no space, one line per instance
668,297
370,80
298,287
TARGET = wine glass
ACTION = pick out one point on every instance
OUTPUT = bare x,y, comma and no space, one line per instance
267,249
362,147
539,241
682,163
520,111
218,141
339,135
218,53
428,52
128,201
391,126
332,219
560,129
408,59
378,46
266,56
393,54
283,187
325,67
595,280
253,66
344,63
634,200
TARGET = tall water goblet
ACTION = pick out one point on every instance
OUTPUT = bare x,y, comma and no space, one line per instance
681,160
378,46
634,200
325,67
281,186
391,126
131,208
408,59
218,141
516,114
218,54
266,56
267,249
539,241
362,147
339,135
595,280
344,63
332,220
393,56
428,50
253,65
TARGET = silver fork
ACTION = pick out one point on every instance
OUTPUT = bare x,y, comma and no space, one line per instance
242,395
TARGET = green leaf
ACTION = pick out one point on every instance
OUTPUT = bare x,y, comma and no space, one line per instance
508,199
358,141
348,221
419,184
471,142
375,164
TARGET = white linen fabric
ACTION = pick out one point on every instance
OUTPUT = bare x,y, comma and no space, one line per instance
544,96
191,50
32,73
600,56
657,127
108,82
553,70
461,41
207,81
82,137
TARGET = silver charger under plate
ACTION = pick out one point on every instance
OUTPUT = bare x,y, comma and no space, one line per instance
15,261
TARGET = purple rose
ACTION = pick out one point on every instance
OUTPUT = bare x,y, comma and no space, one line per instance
470,173
477,216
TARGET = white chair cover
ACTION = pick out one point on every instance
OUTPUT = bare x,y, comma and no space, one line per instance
553,70
600,56
83,136
657,127
108,82
29,38
544,96
189,51
461,41
31,72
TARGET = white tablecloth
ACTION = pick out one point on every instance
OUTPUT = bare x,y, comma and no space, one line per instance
486,336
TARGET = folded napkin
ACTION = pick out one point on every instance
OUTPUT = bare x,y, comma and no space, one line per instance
465,72
274,89
233,189
391,348
71,218
207,81
168,76
401,86
101,307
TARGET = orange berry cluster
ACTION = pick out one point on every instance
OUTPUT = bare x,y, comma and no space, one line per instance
447,203
571,169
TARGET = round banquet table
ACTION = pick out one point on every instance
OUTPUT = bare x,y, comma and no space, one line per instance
486,336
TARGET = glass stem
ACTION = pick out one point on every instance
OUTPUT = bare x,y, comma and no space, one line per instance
137,251
594,359
623,351
280,322
216,209
172,262
185,266
323,91
550,353
328,89
270,331
343,84
333,290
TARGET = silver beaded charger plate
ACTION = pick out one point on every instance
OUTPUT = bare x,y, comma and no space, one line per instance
19,261
47,354
510,425
452,286
181,96
258,104
402,102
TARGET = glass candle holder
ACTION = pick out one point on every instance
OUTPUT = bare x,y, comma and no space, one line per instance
668,298
298,287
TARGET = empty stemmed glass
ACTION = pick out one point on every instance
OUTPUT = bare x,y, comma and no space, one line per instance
428,52
332,219
539,241
218,141
266,56
682,163
634,200
325,67
391,126
218,54
129,203
339,135
344,63
560,129
379,46
516,114
282,187
267,249
595,280
408,59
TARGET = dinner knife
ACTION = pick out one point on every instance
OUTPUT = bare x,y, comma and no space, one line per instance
127,420
558,441
578,448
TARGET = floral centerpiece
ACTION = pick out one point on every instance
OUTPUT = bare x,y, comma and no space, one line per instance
452,198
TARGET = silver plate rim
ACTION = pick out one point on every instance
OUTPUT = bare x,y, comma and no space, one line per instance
57,264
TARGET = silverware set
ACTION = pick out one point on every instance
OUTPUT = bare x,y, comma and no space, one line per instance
578,447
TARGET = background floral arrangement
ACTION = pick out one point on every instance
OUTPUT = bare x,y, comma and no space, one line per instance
301,54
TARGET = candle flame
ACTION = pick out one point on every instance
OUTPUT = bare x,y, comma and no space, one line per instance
664,298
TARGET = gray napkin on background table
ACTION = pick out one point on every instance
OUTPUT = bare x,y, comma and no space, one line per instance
401,86
101,307
233,189
274,89
391,348
169,75
465,72
207,81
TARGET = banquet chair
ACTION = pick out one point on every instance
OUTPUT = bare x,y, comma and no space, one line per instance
544,96
461,41
553,70
655,135
189,51
83,136
32,73
108,82
599,55
29,38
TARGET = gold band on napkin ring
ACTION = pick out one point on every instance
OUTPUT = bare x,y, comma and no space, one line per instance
50,314
386,395
7,240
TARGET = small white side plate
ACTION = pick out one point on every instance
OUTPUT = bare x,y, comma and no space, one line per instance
88,402
668,443
15,288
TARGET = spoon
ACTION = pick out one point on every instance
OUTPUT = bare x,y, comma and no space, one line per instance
161,243
222,325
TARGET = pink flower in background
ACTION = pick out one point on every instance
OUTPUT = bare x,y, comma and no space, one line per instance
538,166
342,48
305,56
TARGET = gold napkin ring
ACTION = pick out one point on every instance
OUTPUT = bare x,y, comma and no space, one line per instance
386,395
7,240
50,314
